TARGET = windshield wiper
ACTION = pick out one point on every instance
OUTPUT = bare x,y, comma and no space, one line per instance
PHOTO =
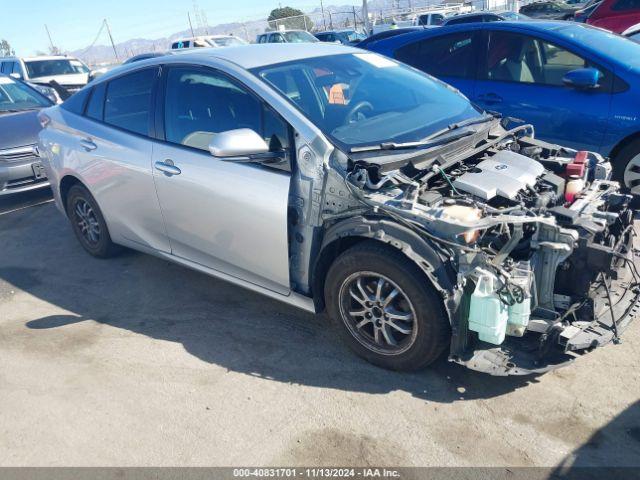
429,141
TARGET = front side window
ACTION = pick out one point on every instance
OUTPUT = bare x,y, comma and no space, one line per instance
444,56
15,96
520,58
362,99
200,103
128,101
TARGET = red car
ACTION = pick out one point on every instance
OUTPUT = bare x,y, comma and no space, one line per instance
616,15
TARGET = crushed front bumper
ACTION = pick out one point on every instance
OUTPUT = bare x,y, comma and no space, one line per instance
615,305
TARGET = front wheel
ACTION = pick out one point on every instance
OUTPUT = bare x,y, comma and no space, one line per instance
385,308
626,166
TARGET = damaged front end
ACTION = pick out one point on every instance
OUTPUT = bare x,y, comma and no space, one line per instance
538,240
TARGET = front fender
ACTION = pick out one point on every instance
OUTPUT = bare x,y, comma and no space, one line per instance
436,267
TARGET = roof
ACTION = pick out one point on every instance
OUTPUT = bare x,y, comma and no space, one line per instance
245,56
49,57
258,55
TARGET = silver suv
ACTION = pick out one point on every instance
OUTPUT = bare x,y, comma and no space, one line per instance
325,176
71,73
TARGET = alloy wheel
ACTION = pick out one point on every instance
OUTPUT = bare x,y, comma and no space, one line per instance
87,222
378,313
632,174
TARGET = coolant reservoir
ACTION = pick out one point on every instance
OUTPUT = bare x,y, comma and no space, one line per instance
520,312
488,315
464,214
574,186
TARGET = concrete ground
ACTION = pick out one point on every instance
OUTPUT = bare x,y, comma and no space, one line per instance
135,361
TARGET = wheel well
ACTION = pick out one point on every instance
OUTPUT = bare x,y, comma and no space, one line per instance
623,143
324,261
332,251
65,185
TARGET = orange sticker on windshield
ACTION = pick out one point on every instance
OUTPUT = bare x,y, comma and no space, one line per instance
336,95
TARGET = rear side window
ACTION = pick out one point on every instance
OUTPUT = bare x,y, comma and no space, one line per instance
445,56
622,5
128,101
95,107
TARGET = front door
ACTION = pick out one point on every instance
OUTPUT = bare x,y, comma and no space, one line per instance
522,78
227,216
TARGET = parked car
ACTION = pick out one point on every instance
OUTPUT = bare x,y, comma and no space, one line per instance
549,10
145,56
286,36
432,18
386,34
68,72
20,163
207,41
615,15
473,18
509,15
335,177
578,85
584,13
345,37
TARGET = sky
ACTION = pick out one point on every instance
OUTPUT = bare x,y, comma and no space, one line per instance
74,23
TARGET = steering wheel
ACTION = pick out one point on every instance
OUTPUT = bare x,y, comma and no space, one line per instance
351,116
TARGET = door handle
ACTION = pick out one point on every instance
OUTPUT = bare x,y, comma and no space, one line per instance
88,144
490,98
168,168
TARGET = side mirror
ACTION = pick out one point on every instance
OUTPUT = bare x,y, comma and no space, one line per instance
16,75
243,145
582,78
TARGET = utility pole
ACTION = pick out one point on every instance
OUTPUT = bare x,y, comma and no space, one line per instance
365,16
53,48
190,25
323,20
111,38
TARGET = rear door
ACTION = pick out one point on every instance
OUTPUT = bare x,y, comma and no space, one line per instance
224,215
110,148
451,58
521,77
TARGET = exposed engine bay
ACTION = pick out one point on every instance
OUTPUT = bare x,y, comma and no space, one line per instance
536,239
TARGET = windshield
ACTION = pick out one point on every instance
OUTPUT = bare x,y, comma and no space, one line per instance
48,68
606,44
226,42
18,96
362,99
299,37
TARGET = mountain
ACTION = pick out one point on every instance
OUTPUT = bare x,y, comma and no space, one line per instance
340,16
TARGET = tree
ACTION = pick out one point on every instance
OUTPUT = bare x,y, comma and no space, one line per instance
283,16
5,49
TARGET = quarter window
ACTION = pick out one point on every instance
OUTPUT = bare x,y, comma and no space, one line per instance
128,101
520,58
95,107
201,103
444,56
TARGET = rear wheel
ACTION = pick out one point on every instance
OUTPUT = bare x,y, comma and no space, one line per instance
626,168
385,308
88,223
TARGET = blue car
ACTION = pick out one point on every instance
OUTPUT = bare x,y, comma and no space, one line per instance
578,85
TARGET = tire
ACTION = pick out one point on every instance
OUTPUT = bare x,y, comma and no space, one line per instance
628,174
419,341
88,223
